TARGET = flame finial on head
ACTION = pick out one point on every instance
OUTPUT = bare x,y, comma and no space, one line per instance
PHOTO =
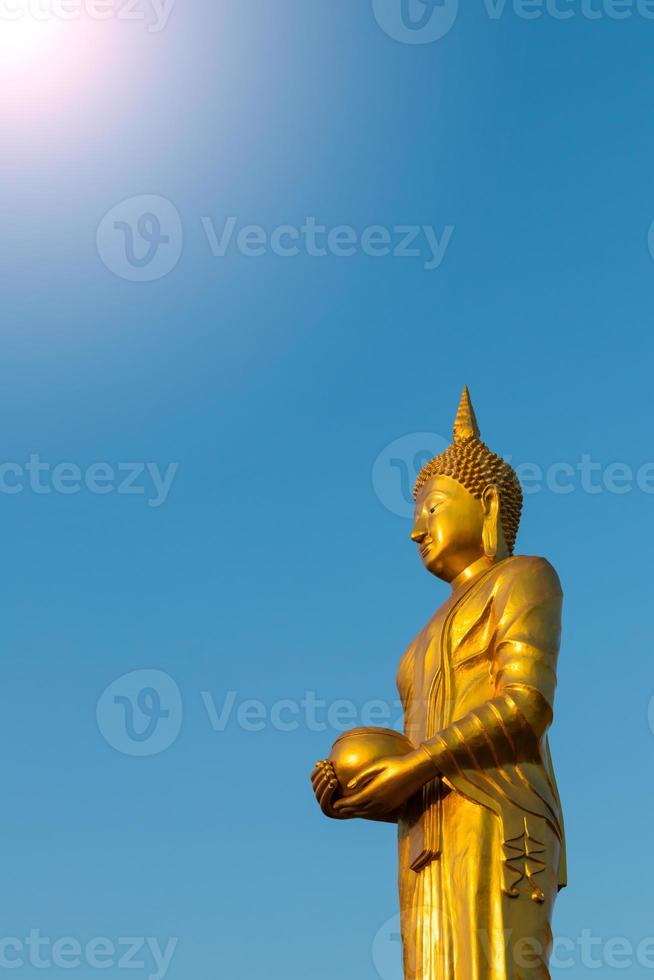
465,423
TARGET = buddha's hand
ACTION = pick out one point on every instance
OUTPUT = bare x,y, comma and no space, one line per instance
384,786
325,786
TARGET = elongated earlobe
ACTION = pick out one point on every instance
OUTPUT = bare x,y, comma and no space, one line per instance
489,533
489,537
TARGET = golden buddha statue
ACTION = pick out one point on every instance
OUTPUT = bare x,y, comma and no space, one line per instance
471,786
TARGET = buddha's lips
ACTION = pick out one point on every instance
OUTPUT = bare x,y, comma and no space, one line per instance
424,549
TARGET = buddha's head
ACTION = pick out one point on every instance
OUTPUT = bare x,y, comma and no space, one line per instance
467,502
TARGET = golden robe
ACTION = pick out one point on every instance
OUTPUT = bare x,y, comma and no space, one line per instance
481,848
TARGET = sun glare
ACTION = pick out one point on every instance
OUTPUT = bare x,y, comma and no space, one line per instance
46,63
25,42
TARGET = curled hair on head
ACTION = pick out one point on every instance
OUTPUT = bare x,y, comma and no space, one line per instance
471,463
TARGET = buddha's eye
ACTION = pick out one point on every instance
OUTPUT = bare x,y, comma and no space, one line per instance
432,510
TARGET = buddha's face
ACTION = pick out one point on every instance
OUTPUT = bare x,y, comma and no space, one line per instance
448,526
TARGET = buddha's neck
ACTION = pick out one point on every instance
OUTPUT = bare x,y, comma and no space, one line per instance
472,571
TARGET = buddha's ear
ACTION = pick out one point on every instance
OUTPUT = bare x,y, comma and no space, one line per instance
492,535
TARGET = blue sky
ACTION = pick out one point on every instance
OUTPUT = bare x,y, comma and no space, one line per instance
230,521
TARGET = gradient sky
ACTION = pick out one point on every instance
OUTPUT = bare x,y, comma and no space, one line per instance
278,562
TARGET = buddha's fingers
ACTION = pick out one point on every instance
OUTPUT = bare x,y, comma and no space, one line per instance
322,769
320,786
326,795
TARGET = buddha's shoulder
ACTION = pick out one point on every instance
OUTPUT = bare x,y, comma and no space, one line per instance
528,574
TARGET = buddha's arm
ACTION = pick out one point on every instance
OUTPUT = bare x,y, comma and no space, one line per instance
509,726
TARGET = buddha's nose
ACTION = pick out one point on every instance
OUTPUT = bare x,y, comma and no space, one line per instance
418,534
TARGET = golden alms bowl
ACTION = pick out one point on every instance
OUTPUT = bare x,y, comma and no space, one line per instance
353,751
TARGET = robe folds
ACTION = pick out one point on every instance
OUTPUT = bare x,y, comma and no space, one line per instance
481,847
